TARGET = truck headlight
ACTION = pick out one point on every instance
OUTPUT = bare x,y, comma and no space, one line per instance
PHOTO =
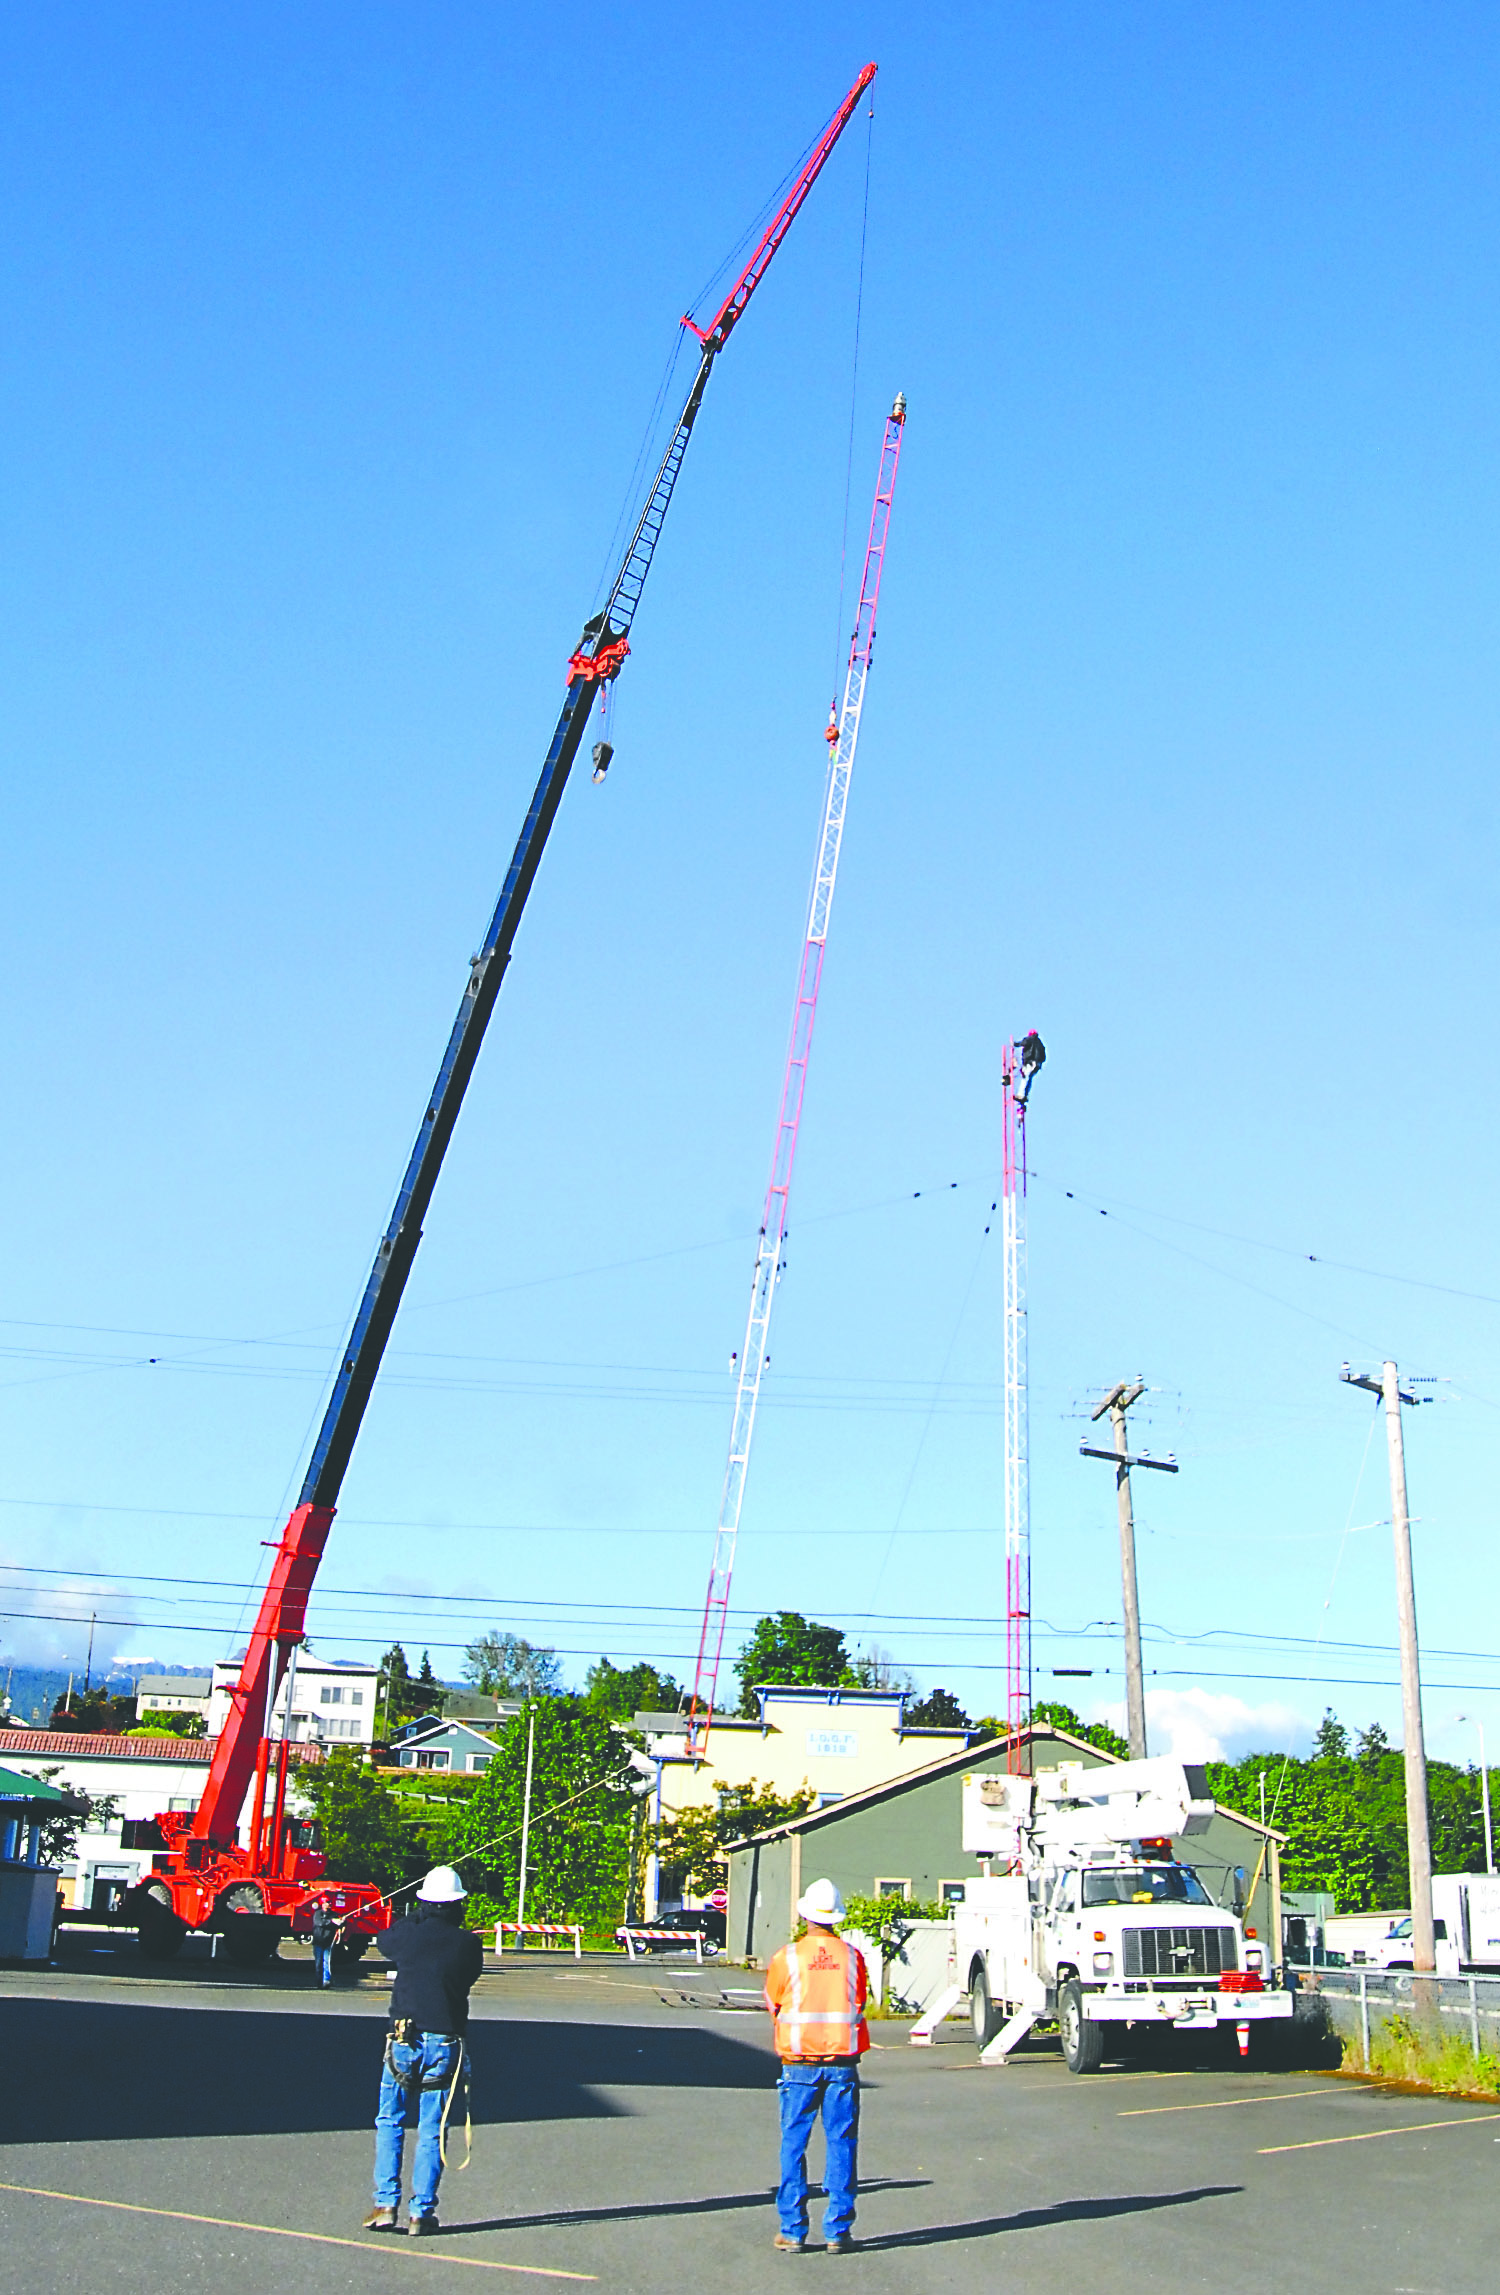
1104,1963
1253,1956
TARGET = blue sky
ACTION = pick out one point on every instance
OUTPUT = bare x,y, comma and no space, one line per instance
332,335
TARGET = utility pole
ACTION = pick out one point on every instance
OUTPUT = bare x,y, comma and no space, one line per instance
88,1669
1418,1838
1117,1402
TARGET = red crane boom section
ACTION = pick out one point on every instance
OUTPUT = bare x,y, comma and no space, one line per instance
716,334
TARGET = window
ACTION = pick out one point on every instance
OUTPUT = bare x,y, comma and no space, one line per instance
356,1697
826,1800
480,1760
1144,1885
432,1760
327,1696
951,1892
893,1888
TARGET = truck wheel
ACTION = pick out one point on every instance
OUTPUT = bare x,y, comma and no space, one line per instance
1082,2042
158,1928
982,2013
250,1935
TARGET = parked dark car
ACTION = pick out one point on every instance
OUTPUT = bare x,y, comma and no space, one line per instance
714,1927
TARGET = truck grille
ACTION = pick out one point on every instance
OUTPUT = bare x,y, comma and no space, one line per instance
1178,1951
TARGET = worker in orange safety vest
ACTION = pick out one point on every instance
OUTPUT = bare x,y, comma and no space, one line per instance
816,1989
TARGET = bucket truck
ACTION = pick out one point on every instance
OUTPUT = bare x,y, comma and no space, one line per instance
1094,1920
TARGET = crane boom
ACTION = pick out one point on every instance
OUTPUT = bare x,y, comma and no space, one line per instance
241,1749
843,739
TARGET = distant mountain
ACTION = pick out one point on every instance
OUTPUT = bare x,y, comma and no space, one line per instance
33,1690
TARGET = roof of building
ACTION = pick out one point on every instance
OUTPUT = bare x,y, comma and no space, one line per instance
948,1765
15,1787
439,1725
83,1745
174,1684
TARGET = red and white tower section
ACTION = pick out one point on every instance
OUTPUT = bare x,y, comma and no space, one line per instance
843,742
1020,1064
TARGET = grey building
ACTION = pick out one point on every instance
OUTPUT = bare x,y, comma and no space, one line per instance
902,1839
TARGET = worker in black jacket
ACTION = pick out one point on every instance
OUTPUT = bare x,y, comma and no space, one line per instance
437,1961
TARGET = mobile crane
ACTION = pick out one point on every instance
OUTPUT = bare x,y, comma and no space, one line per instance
252,1890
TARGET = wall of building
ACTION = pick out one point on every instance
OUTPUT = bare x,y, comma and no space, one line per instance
913,1835
837,1742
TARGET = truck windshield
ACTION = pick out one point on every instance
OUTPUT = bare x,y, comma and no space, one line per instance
1145,1885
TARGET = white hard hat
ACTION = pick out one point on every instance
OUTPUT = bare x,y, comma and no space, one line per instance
821,1903
442,1887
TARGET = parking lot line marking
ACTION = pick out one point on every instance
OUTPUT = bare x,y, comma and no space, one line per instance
1223,2104
280,2231
1369,2136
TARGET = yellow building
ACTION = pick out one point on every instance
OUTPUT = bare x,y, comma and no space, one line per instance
835,1741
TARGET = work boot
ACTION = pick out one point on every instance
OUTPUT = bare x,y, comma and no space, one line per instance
842,2243
380,2219
422,2226
788,2246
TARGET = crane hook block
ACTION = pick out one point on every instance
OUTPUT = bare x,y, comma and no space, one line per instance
603,752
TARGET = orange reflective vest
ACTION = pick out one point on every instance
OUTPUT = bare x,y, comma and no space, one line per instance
815,1990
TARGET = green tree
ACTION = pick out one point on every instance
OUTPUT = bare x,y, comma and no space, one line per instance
939,1709
57,1835
619,1693
1051,1715
505,1665
96,1712
170,1725
789,1649
584,1799
359,1818
427,1690
402,1696
693,1845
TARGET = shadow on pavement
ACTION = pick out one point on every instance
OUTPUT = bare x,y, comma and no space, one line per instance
100,2070
570,2217
1048,2218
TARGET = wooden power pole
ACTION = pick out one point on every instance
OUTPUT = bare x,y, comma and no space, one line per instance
1117,1402
1418,1836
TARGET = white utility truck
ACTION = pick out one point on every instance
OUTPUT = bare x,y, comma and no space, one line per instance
1094,1921
1465,1926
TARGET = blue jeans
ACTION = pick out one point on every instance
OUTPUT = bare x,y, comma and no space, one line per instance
806,2090
323,1962
433,2062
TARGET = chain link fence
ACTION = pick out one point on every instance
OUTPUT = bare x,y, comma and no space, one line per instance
1358,2001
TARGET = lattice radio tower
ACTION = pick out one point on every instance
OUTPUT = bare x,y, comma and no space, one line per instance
1021,1062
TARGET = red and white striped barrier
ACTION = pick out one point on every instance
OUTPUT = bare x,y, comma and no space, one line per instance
518,1929
631,1937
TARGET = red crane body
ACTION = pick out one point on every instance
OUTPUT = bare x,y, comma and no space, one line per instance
204,1875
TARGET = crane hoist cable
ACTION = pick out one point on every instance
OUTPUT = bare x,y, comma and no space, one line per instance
753,1359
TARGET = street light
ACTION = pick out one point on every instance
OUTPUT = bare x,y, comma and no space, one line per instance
1484,1791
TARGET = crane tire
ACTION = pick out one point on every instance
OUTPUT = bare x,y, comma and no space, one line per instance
983,2014
1082,2042
159,1930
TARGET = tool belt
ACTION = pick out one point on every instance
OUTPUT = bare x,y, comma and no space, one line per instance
406,2033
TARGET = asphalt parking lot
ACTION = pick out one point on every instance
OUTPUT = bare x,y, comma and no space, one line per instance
205,2128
